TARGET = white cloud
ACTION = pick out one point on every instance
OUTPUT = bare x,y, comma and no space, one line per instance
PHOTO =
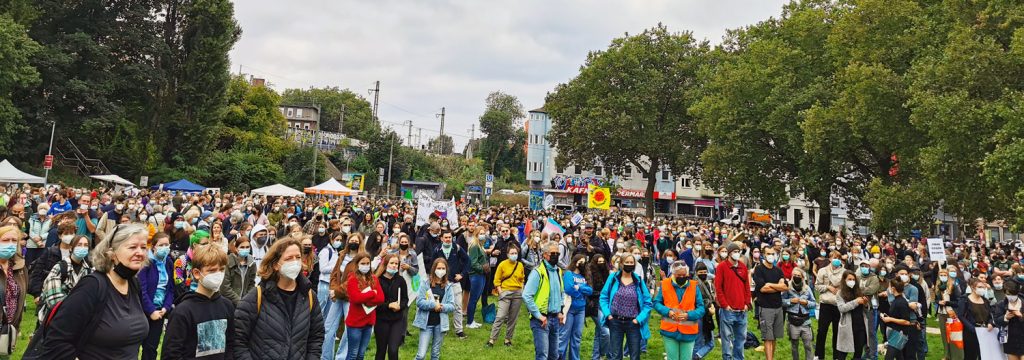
452,53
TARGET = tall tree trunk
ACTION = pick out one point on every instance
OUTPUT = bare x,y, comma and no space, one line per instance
824,212
651,181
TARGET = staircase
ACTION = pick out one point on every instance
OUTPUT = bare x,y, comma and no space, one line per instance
71,157
331,169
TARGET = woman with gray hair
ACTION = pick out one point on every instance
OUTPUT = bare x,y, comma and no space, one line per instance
103,317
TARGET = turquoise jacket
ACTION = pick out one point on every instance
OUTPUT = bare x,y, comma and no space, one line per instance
693,315
611,286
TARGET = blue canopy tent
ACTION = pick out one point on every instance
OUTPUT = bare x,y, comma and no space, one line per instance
180,185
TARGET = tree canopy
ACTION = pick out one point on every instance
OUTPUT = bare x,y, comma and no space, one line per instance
628,107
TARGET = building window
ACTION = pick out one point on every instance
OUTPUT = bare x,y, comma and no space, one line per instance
812,220
290,113
783,214
629,172
576,169
598,170
834,201
687,183
665,175
307,126
298,113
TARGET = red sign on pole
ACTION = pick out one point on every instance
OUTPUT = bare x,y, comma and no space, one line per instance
48,162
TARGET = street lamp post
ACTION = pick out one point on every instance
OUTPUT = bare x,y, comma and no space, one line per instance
53,130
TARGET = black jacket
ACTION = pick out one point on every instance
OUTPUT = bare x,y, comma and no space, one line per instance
275,334
458,261
199,316
40,268
393,289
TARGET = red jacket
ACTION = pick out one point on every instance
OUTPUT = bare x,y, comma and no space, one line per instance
357,316
732,288
787,268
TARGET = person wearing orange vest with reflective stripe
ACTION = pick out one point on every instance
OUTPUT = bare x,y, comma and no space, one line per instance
677,302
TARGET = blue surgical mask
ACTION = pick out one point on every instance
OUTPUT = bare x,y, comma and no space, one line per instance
80,252
865,271
837,263
7,250
952,274
244,252
162,251
392,271
446,246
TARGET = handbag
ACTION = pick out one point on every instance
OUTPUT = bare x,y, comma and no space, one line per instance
490,313
896,339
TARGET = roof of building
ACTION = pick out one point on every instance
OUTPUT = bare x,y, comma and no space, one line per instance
304,106
426,183
539,110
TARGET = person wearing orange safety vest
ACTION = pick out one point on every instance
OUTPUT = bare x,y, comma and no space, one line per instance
681,306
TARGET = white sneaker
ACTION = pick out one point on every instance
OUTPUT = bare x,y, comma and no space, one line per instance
474,325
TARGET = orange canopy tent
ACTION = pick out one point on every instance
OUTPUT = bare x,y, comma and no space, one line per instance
330,187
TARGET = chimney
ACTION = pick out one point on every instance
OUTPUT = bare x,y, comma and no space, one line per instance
258,82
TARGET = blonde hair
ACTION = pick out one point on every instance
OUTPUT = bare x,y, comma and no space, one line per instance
4,230
103,255
209,255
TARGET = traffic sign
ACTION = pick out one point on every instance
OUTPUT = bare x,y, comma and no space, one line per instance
143,181
48,162
489,178
488,191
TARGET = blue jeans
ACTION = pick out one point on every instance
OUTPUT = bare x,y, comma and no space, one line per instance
600,338
476,289
545,339
702,346
359,339
619,329
323,294
922,347
338,311
571,335
432,337
734,334
872,353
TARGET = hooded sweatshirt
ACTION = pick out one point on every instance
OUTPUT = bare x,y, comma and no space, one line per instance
200,327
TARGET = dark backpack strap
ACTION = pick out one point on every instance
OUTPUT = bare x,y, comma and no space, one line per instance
63,271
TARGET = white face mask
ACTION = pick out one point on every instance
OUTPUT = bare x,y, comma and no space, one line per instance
291,269
346,229
850,283
904,278
735,256
67,238
1011,298
770,258
212,281
364,268
440,273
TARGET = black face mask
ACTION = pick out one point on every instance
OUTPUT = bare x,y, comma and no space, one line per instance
629,268
403,246
307,250
798,283
353,246
681,281
124,272
554,257
703,277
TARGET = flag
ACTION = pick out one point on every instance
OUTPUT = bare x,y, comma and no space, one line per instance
598,197
552,227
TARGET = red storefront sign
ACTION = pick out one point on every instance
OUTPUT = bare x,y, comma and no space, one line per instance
640,194
48,162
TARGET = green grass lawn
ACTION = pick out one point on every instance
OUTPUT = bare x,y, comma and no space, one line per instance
474,346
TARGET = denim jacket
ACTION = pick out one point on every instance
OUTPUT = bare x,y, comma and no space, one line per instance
806,294
425,304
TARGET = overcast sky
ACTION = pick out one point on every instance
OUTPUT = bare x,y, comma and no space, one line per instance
452,53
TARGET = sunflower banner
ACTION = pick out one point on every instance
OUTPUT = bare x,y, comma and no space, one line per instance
598,197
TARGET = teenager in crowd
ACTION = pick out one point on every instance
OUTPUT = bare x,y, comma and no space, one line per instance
202,324
389,332
435,300
364,295
157,283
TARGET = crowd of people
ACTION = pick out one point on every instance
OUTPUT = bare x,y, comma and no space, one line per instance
119,273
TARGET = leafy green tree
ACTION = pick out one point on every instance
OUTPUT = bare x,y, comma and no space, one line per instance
358,114
628,107
252,120
16,50
502,115
442,145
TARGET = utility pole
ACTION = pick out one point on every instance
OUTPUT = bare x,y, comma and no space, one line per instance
313,180
53,130
409,137
376,97
390,159
419,138
469,146
439,137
